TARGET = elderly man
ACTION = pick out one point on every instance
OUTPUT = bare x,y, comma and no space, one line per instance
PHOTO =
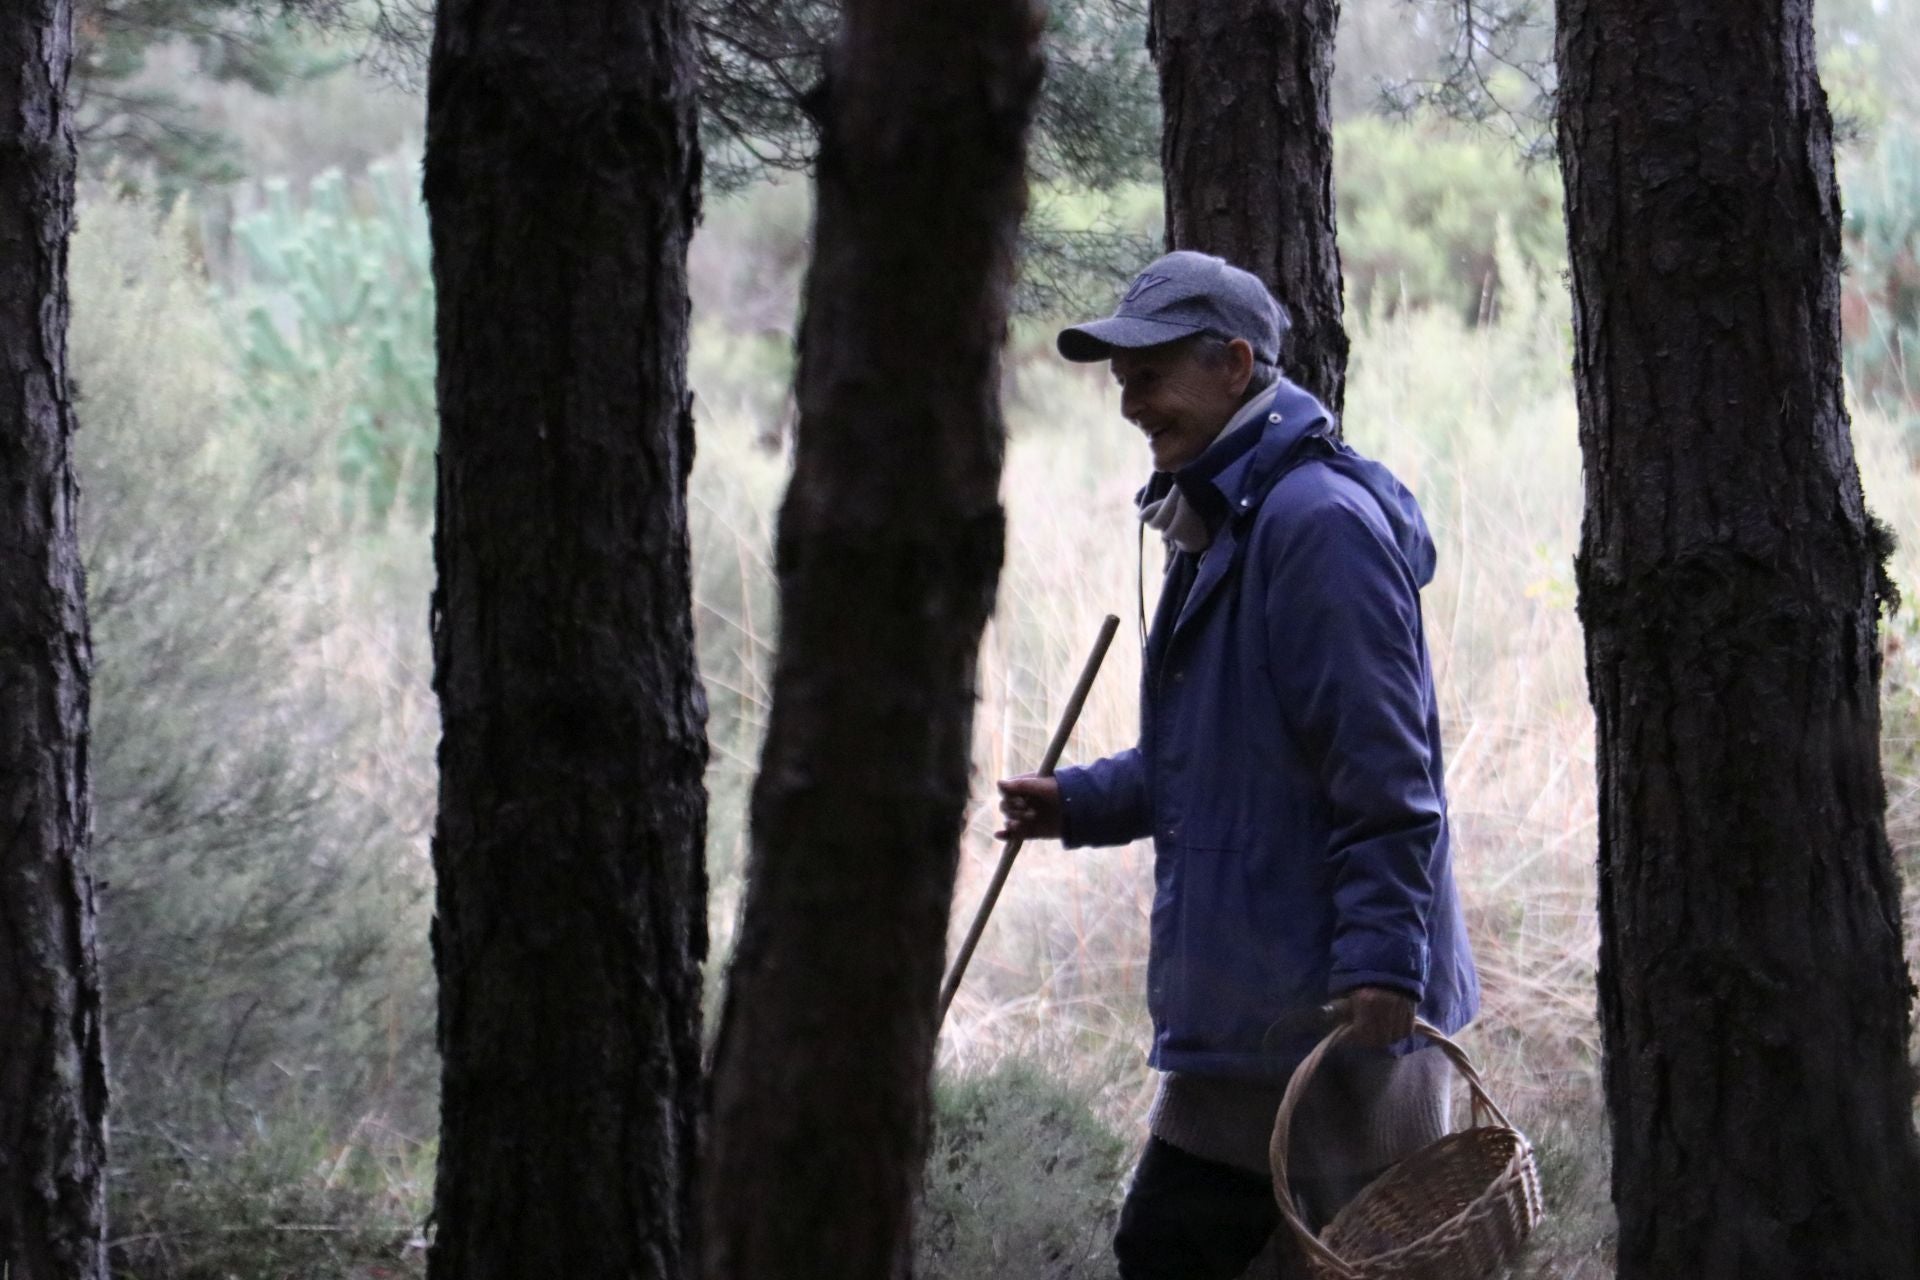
1288,771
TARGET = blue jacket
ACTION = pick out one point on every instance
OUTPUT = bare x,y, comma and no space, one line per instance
1289,764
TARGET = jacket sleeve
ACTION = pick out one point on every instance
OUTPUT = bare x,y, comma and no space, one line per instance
1105,802
1348,659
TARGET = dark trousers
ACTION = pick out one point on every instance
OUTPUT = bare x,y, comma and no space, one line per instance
1191,1219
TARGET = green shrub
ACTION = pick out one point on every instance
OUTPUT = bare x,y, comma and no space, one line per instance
337,292
1418,207
141,60
279,1198
1568,1129
1022,1181
261,924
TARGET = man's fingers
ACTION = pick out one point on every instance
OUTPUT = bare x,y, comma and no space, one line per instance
1380,1017
1031,805
1373,1033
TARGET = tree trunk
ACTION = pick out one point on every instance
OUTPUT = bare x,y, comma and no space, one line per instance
1246,147
1753,998
889,549
53,1086
562,183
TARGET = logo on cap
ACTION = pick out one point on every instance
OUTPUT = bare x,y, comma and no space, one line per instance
1141,285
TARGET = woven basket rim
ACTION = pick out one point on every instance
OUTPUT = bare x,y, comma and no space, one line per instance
1519,1157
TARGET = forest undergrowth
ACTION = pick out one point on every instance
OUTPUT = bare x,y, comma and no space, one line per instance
267,785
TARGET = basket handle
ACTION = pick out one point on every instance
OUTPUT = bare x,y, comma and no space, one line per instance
1483,1105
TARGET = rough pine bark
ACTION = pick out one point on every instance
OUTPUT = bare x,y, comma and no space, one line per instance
1753,998
562,184
53,1084
889,549
1246,147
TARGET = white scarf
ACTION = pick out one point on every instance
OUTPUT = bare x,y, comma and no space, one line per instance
1172,516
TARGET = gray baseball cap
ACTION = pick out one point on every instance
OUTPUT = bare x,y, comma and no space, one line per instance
1180,295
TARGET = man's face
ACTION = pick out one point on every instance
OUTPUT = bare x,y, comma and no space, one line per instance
1178,397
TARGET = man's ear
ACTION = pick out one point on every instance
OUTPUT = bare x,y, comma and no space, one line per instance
1240,363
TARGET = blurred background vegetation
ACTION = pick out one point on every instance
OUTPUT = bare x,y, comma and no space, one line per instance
253,355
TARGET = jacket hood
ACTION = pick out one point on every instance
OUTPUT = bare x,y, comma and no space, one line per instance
1300,427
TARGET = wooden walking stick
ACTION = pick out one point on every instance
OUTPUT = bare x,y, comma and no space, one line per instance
1076,700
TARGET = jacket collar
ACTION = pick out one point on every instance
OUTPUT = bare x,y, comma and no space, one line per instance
1234,472
1294,417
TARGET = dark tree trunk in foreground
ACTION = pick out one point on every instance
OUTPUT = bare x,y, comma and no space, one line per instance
889,551
1246,145
1753,997
562,181
53,1085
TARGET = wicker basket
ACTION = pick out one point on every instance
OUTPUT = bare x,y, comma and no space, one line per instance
1456,1210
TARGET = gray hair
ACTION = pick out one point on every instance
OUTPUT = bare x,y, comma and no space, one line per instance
1212,351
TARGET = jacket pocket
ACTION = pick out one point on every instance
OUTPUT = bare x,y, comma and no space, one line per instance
1249,948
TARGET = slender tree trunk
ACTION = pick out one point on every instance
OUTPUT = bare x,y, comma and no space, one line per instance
889,550
1753,998
53,1084
562,182
1247,151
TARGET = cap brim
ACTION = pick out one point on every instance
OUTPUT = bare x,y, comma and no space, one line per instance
1099,339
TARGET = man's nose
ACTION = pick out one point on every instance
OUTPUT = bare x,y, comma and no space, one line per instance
1130,406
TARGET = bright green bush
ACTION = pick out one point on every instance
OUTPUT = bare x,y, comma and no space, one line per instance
337,291
1418,208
